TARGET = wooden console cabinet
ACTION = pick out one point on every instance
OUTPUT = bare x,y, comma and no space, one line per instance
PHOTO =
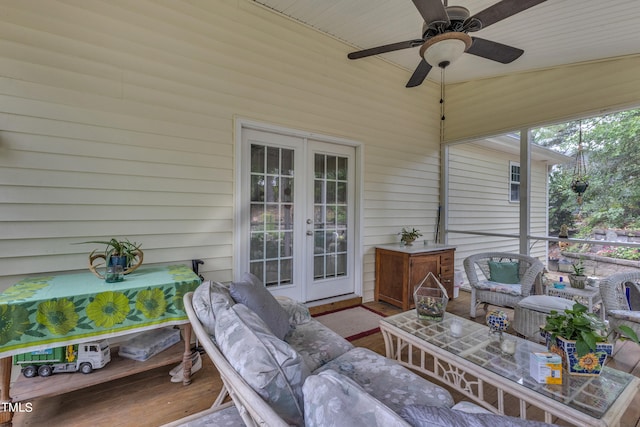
400,268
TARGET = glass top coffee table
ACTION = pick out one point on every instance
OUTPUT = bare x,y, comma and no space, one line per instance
474,364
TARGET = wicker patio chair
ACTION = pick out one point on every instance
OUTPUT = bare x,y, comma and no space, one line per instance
488,292
617,309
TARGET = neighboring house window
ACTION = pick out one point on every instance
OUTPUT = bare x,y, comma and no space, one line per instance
514,182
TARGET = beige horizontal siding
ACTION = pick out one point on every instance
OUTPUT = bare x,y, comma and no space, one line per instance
117,119
479,201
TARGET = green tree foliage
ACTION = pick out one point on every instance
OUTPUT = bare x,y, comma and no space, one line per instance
611,146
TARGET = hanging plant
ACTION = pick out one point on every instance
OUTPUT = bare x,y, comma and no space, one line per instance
580,182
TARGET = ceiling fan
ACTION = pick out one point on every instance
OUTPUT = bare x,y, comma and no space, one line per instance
445,35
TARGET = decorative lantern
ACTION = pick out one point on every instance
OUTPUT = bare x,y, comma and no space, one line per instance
430,298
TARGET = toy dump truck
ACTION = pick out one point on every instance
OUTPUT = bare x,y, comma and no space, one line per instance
83,357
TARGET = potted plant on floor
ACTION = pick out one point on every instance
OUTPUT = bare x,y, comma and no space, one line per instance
578,278
580,338
117,252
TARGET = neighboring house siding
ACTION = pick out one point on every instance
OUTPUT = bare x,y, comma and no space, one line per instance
496,105
118,120
479,201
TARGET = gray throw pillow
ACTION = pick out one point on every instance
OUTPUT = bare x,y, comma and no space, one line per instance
270,366
208,300
434,416
251,292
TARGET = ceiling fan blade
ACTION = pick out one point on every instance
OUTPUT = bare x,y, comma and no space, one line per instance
432,11
419,74
384,49
494,51
502,10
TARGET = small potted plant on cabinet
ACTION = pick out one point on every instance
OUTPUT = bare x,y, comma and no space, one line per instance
409,236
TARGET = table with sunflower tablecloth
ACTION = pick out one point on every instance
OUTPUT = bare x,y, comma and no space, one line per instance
52,311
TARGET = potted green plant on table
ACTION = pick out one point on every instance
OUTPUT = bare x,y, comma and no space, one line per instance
580,338
124,253
578,279
409,236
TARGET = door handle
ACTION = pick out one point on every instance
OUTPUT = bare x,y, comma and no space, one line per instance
309,233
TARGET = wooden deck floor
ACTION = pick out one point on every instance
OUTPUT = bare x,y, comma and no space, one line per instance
150,399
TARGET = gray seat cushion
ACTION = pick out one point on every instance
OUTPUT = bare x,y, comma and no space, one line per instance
331,399
387,381
316,343
227,417
545,303
431,416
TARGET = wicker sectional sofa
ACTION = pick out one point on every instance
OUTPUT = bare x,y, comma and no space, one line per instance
302,373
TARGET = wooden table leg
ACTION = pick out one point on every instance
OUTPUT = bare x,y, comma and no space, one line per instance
186,358
5,382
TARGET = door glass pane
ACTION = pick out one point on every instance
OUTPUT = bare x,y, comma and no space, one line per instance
330,216
341,217
286,189
257,158
319,166
271,240
318,191
257,188
331,167
272,189
257,217
342,168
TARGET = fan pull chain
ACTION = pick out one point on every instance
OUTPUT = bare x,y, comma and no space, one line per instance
442,118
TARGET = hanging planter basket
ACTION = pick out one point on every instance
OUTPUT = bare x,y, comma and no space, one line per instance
579,184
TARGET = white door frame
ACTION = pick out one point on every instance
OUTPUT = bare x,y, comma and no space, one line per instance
238,242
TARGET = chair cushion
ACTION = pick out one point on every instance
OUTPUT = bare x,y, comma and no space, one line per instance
632,316
227,417
331,399
251,292
634,295
433,416
545,303
316,343
504,272
208,300
470,408
297,312
502,288
387,381
270,366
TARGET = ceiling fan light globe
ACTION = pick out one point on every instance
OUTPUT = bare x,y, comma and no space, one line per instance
443,49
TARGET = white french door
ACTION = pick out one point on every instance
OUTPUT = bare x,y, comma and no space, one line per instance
330,221
298,218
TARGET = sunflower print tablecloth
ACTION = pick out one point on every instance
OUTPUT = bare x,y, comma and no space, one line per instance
50,311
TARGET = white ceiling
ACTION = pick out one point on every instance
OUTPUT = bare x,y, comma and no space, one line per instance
554,33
